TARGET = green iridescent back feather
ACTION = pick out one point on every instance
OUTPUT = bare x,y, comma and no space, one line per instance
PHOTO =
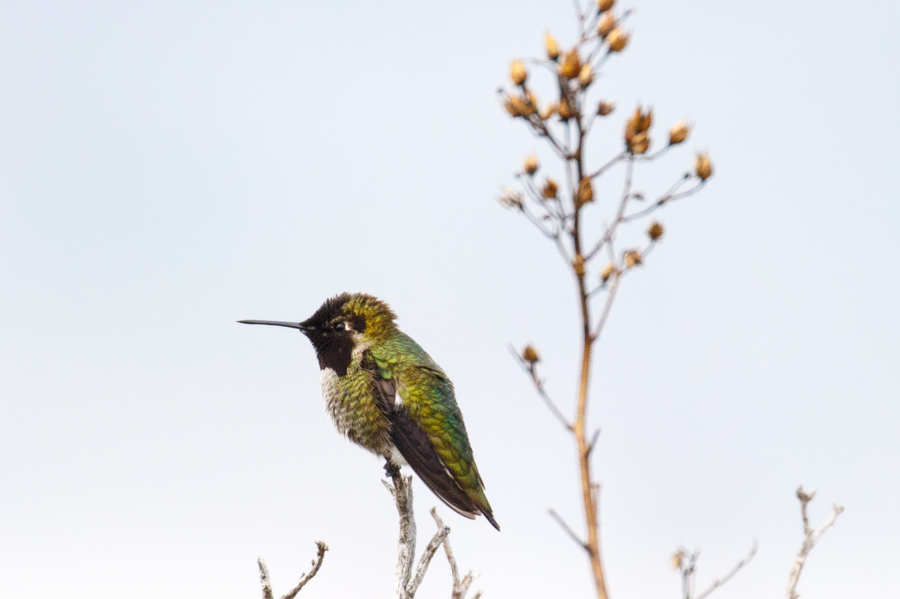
431,402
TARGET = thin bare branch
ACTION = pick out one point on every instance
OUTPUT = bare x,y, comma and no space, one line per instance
568,530
267,585
810,538
607,306
316,564
593,442
666,199
610,232
439,537
609,164
720,581
653,155
531,369
541,129
264,579
579,13
460,587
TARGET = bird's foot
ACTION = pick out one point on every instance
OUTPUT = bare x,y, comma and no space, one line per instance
391,469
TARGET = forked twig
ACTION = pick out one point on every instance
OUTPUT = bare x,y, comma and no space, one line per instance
267,585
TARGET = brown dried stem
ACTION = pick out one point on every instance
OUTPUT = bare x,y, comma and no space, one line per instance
267,585
563,223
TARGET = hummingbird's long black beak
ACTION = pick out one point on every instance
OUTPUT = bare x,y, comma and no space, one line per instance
277,323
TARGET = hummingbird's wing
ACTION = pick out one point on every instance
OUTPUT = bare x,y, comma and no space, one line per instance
428,431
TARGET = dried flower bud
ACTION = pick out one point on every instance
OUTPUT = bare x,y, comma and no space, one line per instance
677,560
605,5
633,258
515,106
571,64
607,272
585,191
530,164
578,265
678,133
639,122
510,107
510,198
606,24
585,76
548,111
552,47
703,167
640,143
655,231
517,72
530,355
564,110
604,108
637,137
617,40
550,189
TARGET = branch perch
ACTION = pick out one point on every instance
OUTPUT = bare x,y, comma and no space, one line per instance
407,582
267,585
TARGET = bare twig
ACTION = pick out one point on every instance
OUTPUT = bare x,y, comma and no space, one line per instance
568,529
667,198
610,298
531,369
720,581
594,438
439,537
460,586
264,579
810,538
612,162
401,491
406,581
267,585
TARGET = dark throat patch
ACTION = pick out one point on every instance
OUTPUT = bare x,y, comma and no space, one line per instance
333,351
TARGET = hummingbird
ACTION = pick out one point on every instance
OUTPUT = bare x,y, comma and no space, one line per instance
386,394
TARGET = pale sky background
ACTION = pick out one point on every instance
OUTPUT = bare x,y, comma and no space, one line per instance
168,168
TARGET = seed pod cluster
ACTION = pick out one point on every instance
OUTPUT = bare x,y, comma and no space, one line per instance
637,131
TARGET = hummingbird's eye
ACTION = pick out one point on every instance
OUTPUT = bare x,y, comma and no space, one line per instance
339,327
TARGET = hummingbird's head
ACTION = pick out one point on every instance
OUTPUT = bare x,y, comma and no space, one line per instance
341,324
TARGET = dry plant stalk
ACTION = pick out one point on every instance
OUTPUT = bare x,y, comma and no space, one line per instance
810,538
686,562
267,585
407,581
566,124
